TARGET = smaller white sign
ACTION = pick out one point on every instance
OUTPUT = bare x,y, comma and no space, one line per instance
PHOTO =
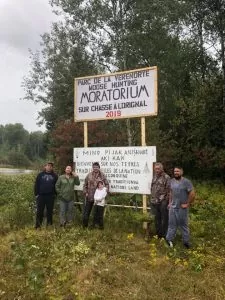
128,169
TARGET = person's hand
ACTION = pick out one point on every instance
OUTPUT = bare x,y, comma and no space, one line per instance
168,206
184,205
74,174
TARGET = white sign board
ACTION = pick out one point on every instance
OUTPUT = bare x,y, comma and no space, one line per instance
118,95
128,169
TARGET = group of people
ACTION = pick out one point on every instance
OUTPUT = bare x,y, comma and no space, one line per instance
48,185
170,200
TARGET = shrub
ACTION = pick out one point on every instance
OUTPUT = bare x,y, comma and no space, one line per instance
16,198
18,159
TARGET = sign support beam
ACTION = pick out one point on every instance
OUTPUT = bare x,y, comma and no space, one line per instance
85,135
143,144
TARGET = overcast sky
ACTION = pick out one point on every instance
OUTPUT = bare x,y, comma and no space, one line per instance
21,24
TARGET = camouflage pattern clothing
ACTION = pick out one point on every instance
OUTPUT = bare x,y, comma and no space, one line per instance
160,188
90,184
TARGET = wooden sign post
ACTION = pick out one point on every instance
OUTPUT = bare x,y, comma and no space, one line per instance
85,134
126,94
143,143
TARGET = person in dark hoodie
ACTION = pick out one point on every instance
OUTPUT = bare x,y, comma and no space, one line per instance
44,190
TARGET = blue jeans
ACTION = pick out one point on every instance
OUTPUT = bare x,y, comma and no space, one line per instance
178,217
66,211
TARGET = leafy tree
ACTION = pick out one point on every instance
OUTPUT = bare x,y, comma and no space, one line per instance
69,135
2,134
18,159
18,147
51,78
16,136
215,27
36,147
96,36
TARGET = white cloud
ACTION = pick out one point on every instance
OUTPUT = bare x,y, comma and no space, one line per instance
21,24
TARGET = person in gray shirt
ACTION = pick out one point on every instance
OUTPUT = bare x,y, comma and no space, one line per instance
181,196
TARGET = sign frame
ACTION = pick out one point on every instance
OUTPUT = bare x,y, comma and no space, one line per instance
137,160
155,95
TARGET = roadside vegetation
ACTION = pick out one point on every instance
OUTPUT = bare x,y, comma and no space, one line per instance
117,263
20,148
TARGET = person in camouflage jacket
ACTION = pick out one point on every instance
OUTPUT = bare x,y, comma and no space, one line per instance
90,185
160,191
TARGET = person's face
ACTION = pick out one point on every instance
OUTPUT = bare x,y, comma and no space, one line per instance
96,168
100,185
177,173
48,168
68,170
157,170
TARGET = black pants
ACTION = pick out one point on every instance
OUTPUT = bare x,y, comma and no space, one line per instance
86,212
160,211
98,216
42,202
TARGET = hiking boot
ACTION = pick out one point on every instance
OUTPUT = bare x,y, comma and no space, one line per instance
169,243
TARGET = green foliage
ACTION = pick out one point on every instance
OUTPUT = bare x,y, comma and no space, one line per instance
15,135
63,57
18,159
101,36
18,147
69,134
116,263
16,199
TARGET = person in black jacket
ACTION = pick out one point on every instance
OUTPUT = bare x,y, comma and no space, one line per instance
44,190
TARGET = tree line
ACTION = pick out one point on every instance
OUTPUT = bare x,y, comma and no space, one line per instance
20,148
185,39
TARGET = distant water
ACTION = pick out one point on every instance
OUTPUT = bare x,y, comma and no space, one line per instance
9,171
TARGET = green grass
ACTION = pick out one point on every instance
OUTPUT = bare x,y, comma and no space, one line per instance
117,263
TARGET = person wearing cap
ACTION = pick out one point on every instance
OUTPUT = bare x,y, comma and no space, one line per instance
99,203
65,191
90,185
44,190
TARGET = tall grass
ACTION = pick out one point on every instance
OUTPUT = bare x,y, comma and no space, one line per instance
116,263
16,200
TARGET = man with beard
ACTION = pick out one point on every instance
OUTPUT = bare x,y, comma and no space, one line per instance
181,196
160,190
90,185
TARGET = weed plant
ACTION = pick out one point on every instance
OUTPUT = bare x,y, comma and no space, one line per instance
115,263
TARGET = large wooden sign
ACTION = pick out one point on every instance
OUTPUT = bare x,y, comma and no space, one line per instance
128,169
118,95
